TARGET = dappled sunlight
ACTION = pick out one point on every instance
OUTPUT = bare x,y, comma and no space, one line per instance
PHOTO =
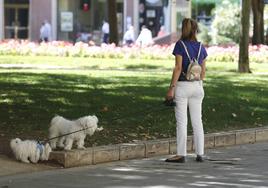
60,101
132,98
125,169
252,180
150,186
243,174
73,95
120,176
215,184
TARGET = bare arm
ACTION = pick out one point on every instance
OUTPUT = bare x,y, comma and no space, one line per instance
175,76
203,71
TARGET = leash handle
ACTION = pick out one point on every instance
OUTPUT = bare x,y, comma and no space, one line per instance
170,102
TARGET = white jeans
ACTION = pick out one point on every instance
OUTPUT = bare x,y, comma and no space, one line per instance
189,94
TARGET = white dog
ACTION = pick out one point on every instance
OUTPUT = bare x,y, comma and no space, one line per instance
61,131
30,150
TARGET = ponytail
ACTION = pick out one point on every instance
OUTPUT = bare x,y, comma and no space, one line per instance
189,29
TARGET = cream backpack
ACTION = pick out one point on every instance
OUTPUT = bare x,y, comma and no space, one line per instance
194,69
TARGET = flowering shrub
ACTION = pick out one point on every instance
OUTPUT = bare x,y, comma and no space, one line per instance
257,53
229,53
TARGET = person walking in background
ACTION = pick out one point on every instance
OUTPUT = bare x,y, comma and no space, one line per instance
145,37
105,32
129,36
49,30
187,93
45,32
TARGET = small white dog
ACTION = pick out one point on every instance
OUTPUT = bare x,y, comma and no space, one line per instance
30,150
61,126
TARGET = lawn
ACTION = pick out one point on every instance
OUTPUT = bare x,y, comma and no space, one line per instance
126,95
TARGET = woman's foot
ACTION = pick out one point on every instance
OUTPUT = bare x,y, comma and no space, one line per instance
176,159
199,158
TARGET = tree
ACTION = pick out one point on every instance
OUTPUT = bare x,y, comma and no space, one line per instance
113,21
243,64
258,23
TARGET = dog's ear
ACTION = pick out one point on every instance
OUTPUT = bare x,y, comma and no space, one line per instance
17,140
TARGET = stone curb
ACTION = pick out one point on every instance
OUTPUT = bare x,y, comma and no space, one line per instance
101,154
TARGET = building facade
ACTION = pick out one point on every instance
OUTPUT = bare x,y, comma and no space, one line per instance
22,19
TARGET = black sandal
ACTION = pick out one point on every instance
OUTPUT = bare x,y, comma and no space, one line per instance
176,159
199,158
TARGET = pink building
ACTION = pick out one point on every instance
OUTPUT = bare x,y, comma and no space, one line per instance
22,19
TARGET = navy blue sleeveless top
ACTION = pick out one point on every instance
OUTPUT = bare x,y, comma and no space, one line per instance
192,47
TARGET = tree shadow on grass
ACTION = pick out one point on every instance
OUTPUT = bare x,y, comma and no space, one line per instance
128,107
145,67
31,100
235,101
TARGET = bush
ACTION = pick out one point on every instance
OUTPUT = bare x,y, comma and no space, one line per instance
204,35
226,23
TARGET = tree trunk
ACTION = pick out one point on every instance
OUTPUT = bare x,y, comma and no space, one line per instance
243,64
113,21
258,23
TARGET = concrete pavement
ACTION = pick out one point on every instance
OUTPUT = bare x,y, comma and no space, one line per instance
9,166
234,166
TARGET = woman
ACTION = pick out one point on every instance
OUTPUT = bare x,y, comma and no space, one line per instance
188,93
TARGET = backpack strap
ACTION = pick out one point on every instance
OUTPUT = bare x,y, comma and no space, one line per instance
199,51
185,48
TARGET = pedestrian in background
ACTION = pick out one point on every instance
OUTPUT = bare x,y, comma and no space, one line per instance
45,32
105,32
129,36
145,37
188,94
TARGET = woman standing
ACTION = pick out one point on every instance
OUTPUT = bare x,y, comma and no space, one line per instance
188,93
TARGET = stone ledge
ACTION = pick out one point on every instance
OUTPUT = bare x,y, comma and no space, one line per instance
141,149
156,147
132,151
105,154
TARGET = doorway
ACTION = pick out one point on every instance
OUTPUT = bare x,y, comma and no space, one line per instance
16,22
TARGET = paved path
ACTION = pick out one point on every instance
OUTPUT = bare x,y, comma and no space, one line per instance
9,166
239,166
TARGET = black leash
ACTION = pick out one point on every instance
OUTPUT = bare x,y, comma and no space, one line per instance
46,141
167,103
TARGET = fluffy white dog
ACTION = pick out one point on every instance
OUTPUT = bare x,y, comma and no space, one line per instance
61,126
30,150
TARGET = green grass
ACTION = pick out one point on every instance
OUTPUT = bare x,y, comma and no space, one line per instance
87,63
127,101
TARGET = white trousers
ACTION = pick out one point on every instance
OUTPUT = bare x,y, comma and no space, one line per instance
189,94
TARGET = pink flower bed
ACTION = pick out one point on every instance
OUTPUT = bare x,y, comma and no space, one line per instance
60,48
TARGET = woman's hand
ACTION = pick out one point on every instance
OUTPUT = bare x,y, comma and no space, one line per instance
170,93
175,76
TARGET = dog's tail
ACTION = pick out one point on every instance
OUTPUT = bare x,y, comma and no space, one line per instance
55,120
99,129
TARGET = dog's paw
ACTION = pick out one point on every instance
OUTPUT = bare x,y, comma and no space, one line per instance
67,149
25,161
100,129
60,146
81,147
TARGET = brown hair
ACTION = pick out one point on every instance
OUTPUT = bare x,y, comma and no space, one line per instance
189,29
